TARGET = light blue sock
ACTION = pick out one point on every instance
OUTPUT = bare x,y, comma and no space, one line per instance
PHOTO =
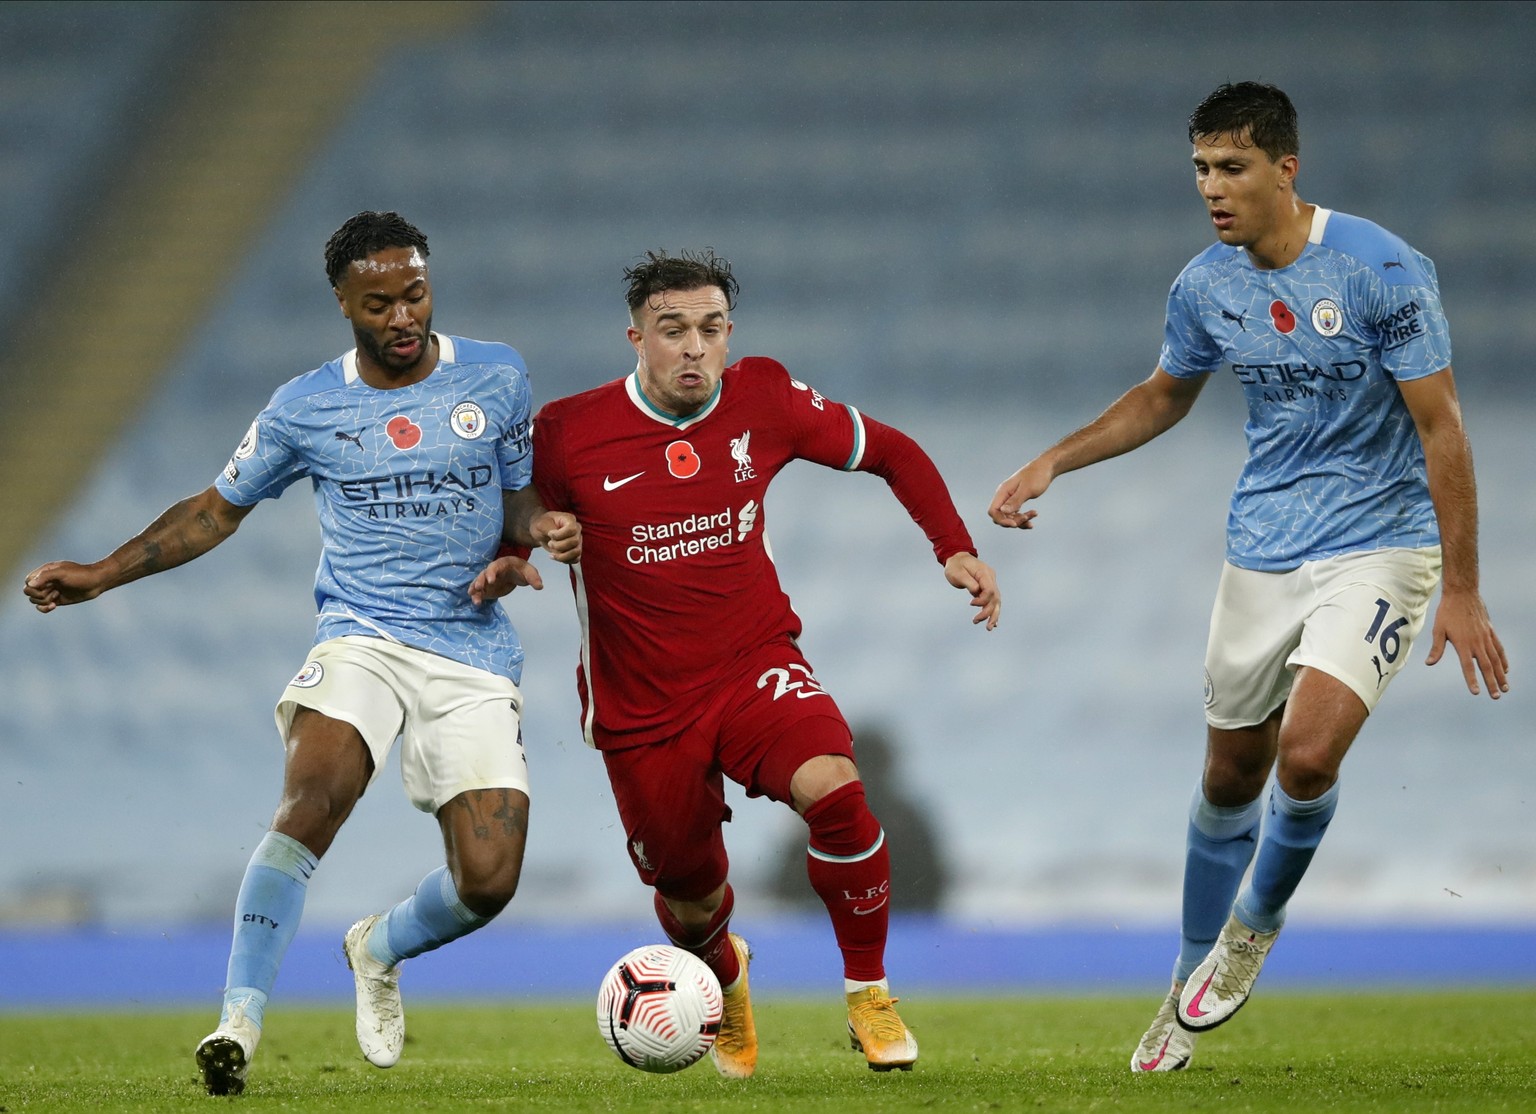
267,915
1291,835
1218,848
428,919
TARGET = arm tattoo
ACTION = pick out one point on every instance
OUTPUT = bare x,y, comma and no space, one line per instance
149,562
173,539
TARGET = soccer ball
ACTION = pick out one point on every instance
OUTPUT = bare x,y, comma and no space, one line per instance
659,1008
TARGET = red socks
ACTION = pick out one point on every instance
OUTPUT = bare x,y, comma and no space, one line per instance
713,945
850,870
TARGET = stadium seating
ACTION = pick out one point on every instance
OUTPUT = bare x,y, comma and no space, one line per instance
961,218
72,79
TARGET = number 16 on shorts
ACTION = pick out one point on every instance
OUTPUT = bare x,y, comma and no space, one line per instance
1387,637
1390,642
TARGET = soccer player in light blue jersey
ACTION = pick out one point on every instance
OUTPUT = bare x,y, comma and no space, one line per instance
418,449
1357,494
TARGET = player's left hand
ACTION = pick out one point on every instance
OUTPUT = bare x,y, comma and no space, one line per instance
1029,482
976,577
502,577
1462,620
559,534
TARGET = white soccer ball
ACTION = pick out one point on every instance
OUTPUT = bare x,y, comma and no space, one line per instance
659,1008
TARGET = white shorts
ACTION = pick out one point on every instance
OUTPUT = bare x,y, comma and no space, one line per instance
1353,617
460,727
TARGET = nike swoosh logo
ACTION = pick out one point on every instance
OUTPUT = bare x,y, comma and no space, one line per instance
1151,1065
614,485
857,912
1194,1010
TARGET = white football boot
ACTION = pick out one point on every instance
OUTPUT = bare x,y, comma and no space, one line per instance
224,1055
1165,1046
380,1014
1221,984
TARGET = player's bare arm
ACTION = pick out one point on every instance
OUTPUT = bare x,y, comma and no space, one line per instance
183,533
968,572
526,522
1461,618
1152,407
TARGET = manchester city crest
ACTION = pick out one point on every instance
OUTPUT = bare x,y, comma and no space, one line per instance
467,420
1327,318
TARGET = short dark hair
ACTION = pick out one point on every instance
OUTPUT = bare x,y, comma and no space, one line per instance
1263,111
365,234
688,270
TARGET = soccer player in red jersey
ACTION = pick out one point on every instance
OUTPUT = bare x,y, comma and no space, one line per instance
690,671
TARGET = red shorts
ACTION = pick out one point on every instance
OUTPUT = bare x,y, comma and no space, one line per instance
758,730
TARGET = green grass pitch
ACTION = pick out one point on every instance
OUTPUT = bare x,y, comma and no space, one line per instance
1293,1052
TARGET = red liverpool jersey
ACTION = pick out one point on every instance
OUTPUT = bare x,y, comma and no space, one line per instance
676,582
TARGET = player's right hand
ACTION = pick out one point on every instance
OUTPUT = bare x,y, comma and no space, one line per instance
559,534
60,583
1029,482
502,577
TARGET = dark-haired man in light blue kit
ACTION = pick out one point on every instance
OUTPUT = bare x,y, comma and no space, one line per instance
1358,485
418,447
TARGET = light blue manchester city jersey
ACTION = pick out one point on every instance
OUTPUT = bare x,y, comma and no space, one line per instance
408,488
1334,461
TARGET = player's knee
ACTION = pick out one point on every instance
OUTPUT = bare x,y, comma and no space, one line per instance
1235,775
313,814
819,777
485,874
1306,773
694,915
1230,784
486,891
